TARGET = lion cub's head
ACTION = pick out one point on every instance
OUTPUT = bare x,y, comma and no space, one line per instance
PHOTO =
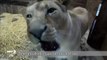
44,20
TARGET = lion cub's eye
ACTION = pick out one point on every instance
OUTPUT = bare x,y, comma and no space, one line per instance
51,10
29,16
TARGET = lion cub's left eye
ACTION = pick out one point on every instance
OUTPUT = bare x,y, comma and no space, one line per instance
51,10
29,16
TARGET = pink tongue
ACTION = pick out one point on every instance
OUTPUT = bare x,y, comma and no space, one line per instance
49,46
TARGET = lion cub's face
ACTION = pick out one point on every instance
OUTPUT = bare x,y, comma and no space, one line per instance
46,12
45,17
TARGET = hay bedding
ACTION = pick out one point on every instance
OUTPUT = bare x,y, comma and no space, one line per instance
12,31
13,34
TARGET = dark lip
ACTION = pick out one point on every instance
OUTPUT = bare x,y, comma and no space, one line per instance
38,37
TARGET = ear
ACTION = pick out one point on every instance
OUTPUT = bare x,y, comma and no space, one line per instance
63,8
83,15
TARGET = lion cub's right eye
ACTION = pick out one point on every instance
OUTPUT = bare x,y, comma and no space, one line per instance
51,10
29,16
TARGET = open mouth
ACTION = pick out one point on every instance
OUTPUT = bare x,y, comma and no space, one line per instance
47,45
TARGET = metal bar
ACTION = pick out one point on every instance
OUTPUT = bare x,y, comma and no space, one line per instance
98,34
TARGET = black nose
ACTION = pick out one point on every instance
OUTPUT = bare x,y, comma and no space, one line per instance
37,32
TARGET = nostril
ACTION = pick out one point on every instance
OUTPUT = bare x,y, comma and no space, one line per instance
45,28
